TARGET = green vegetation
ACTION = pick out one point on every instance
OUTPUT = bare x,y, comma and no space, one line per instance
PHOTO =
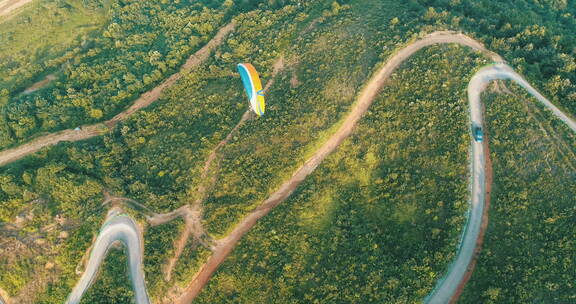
538,38
158,248
51,207
378,221
43,38
528,243
529,247
330,61
112,285
122,161
189,263
142,44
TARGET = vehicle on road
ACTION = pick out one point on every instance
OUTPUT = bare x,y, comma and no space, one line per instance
477,132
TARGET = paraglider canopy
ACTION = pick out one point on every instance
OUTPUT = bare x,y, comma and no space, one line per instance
253,87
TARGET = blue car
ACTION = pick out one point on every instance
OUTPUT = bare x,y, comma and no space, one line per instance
477,133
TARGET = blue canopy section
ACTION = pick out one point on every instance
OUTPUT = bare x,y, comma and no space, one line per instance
246,80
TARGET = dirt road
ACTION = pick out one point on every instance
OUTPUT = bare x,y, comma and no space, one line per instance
447,286
14,154
7,6
117,228
4,299
40,84
88,131
192,214
485,215
366,97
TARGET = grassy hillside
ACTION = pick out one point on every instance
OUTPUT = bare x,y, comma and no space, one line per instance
378,221
46,35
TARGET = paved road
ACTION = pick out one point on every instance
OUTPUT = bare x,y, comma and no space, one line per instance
121,228
447,286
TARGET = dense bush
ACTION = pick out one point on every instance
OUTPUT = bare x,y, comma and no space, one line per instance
380,219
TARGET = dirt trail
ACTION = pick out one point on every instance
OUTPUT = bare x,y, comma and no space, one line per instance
14,154
40,84
278,66
447,287
7,6
11,155
193,214
200,56
551,135
367,96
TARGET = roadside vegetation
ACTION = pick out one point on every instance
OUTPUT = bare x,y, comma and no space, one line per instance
378,221
158,248
71,177
529,247
49,213
528,243
536,37
141,44
113,284
325,68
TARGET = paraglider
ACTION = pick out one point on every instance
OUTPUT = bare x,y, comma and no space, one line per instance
253,87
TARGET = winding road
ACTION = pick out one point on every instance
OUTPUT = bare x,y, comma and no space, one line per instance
122,228
447,286
365,99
